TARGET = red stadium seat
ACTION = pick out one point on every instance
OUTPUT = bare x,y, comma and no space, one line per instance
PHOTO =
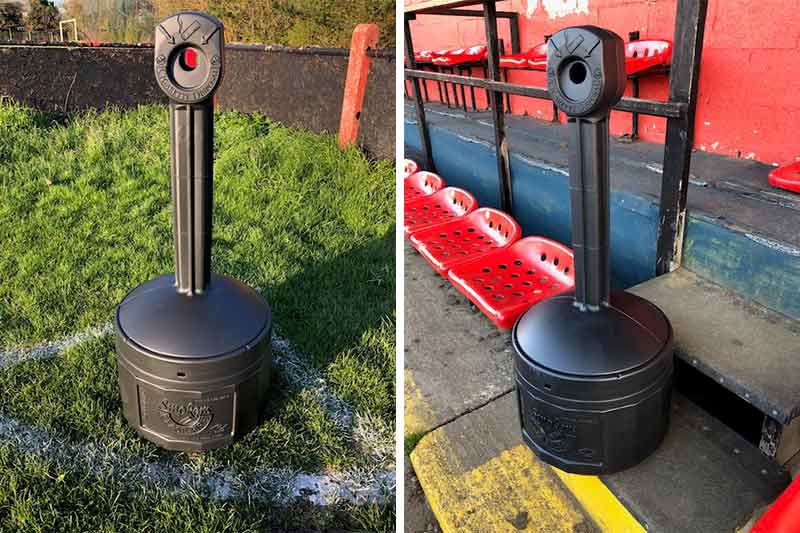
442,206
783,516
465,238
533,59
507,282
786,177
461,56
647,54
421,184
409,167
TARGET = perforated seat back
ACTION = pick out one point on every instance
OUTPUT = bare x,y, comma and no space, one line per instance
420,185
442,206
505,283
409,167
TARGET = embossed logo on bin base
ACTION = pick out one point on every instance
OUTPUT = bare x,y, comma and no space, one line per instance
185,418
205,418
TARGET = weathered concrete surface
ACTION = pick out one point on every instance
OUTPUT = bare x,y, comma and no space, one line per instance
704,477
297,87
479,477
418,517
455,359
747,348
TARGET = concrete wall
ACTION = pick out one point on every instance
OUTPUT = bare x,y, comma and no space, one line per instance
747,104
298,87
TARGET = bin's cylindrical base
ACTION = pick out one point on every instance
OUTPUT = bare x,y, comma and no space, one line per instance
193,370
593,388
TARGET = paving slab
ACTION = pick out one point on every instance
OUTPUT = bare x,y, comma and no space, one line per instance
455,359
478,477
704,477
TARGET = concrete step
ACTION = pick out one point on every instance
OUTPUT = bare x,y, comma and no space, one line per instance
744,347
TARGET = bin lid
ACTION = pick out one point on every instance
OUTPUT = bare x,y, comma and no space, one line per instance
224,318
557,335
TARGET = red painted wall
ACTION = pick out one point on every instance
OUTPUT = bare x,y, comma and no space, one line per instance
749,99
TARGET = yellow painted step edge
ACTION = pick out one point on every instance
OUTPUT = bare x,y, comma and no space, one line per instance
460,499
600,503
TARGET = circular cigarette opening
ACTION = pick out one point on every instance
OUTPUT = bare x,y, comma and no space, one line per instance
574,80
188,67
577,72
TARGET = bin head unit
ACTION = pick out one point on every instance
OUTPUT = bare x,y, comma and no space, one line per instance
593,368
193,348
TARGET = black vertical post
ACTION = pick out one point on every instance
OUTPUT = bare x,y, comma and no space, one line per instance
690,23
427,160
634,115
634,36
496,99
463,95
192,131
472,91
589,190
504,76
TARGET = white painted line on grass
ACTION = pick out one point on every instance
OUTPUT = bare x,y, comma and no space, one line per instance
366,485
49,349
281,486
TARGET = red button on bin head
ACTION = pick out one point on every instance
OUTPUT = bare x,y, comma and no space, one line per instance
505,283
420,185
189,58
442,206
465,238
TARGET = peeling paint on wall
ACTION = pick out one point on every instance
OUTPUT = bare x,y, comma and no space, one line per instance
562,8
751,114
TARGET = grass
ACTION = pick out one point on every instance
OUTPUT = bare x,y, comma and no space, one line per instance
85,216
410,441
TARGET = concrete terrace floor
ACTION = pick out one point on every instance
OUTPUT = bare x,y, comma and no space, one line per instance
478,476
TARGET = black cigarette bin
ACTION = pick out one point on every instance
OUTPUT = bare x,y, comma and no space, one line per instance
193,347
594,368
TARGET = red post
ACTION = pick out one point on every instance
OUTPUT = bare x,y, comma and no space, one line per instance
365,36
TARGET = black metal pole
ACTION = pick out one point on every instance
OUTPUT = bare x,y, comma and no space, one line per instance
427,160
472,92
496,99
589,191
192,131
513,23
690,21
463,95
635,116
626,104
504,77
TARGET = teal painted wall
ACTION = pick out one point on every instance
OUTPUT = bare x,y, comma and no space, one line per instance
541,196
755,267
